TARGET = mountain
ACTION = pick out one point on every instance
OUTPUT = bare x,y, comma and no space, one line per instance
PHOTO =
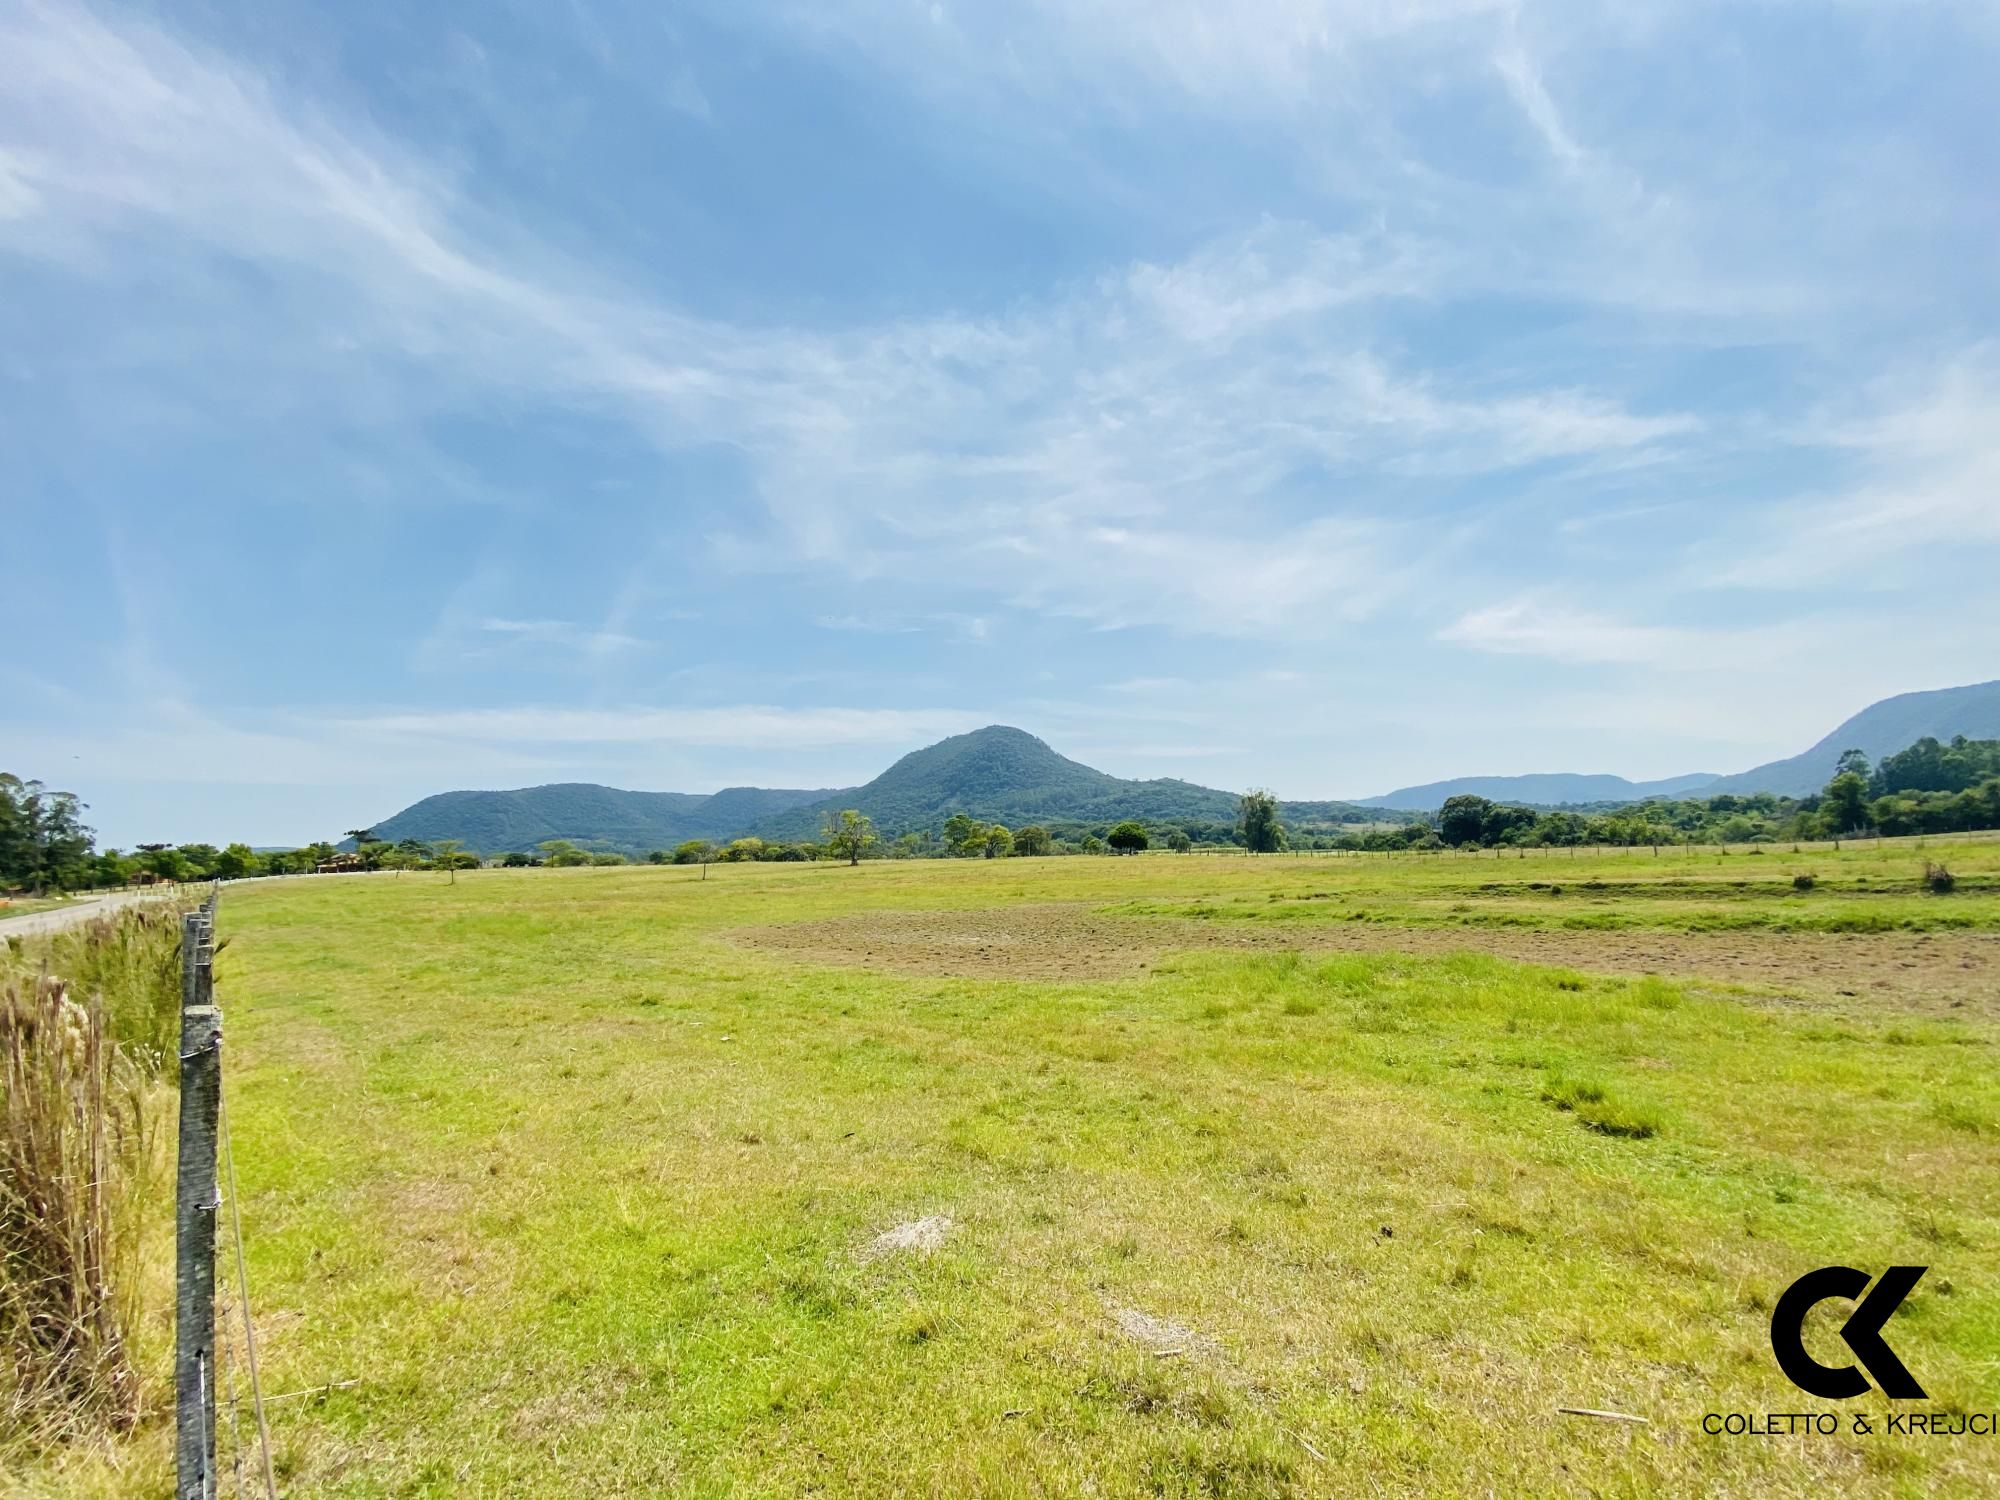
1878,730
996,774
1005,775
1552,789
588,814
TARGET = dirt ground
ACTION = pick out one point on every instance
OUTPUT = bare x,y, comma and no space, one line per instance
1936,973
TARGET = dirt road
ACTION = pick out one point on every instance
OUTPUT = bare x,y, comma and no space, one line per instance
40,923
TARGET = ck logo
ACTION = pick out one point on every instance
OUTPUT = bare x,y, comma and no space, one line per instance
1862,1332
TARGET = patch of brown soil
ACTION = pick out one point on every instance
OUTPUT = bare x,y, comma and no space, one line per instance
1941,973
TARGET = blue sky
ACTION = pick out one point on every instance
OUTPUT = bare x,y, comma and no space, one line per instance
1325,396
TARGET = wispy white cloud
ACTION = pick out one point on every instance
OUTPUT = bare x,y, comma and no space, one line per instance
1092,433
1927,445
566,634
1524,82
749,727
1530,626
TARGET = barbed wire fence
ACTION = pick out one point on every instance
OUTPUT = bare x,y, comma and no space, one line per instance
202,1362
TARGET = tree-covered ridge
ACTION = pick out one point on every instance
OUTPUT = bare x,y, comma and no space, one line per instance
1880,730
1926,788
585,813
1008,776
1928,766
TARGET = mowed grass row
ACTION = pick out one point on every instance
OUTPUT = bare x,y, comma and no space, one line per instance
581,1194
1870,886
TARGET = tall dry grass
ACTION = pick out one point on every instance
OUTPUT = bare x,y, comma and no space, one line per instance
88,1032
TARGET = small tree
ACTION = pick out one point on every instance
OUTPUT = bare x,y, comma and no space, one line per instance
964,835
447,855
1179,842
1032,840
1845,805
236,861
1462,820
1128,838
999,842
1257,818
848,836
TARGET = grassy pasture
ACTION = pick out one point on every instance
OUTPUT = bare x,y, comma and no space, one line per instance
579,1181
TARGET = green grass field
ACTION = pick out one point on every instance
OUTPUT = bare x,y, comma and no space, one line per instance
578,1178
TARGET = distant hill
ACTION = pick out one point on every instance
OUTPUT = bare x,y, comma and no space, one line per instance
996,774
1878,730
1881,729
1005,775
1553,789
587,814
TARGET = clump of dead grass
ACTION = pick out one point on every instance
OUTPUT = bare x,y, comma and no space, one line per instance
82,1048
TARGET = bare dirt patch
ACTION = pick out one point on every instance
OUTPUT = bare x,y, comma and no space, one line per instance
1940,973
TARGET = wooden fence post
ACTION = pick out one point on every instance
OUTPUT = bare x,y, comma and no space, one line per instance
195,1204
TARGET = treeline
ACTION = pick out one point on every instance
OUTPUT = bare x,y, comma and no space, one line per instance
43,843
1928,788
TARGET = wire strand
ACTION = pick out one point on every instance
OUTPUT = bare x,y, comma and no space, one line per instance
243,1286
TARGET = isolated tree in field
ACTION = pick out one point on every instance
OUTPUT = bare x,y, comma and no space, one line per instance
848,836
1128,838
1032,840
694,852
1257,820
448,855
963,834
1845,807
1462,820
1179,842
561,854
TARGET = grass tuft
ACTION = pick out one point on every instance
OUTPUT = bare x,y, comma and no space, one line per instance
1599,1109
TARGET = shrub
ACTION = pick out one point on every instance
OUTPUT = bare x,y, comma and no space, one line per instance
1938,880
1128,838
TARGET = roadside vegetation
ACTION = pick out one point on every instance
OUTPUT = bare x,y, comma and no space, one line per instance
88,1027
572,1182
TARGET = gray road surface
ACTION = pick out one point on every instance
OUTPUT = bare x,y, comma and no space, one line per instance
40,923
